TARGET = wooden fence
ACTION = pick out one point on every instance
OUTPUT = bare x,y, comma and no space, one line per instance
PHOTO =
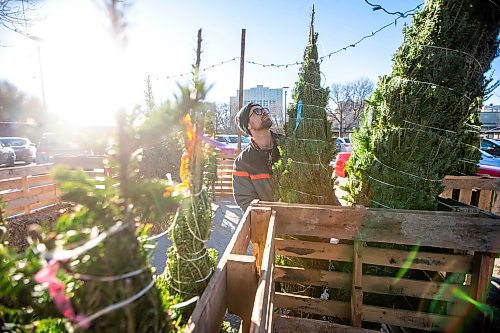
224,184
244,284
25,189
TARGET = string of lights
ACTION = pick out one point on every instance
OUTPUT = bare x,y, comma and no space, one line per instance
320,59
376,7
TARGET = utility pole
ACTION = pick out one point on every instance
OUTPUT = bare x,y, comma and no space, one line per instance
38,41
242,71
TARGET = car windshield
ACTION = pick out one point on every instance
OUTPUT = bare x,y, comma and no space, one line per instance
14,141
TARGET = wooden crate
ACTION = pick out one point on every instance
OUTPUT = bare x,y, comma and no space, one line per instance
244,284
480,191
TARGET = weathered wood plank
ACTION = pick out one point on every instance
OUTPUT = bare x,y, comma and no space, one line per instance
470,182
439,262
427,228
313,277
465,195
242,235
40,180
485,200
24,171
210,309
10,184
404,318
261,321
287,324
413,288
312,305
12,195
447,193
313,250
259,222
20,204
241,287
357,285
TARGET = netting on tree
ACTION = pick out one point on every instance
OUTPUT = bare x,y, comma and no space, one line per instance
422,122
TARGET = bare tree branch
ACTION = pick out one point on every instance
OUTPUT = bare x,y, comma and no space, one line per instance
347,102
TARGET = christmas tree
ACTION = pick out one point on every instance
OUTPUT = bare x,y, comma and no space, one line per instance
303,173
421,123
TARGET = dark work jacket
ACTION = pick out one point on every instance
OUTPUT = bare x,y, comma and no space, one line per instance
252,174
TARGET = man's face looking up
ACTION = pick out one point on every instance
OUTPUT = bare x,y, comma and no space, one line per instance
259,118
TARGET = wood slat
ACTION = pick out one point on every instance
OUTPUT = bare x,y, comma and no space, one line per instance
12,195
404,318
470,182
427,228
24,171
287,324
439,262
263,305
412,288
40,179
465,195
241,271
312,305
313,250
485,200
19,204
313,277
50,188
10,184
211,307
357,285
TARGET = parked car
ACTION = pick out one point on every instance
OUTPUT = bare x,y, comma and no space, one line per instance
7,155
343,144
231,140
25,149
489,165
53,144
490,146
340,162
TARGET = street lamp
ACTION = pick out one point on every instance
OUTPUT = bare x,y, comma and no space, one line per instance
39,41
285,88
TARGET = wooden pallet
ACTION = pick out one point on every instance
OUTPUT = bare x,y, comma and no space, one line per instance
244,284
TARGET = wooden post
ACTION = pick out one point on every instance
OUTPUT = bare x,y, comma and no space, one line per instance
24,186
357,284
259,222
242,72
241,287
465,195
482,269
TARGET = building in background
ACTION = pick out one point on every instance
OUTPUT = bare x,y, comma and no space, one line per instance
271,98
490,121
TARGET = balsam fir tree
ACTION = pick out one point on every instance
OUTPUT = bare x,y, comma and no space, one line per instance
303,174
189,265
421,123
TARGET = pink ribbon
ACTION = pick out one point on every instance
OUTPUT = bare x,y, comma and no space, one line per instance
215,143
56,290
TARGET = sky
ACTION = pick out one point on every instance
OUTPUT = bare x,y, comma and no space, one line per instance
86,78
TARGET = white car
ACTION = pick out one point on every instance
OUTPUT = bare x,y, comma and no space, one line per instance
7,155
343,144
231,140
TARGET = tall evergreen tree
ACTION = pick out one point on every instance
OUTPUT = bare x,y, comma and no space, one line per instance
421,123
303,174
